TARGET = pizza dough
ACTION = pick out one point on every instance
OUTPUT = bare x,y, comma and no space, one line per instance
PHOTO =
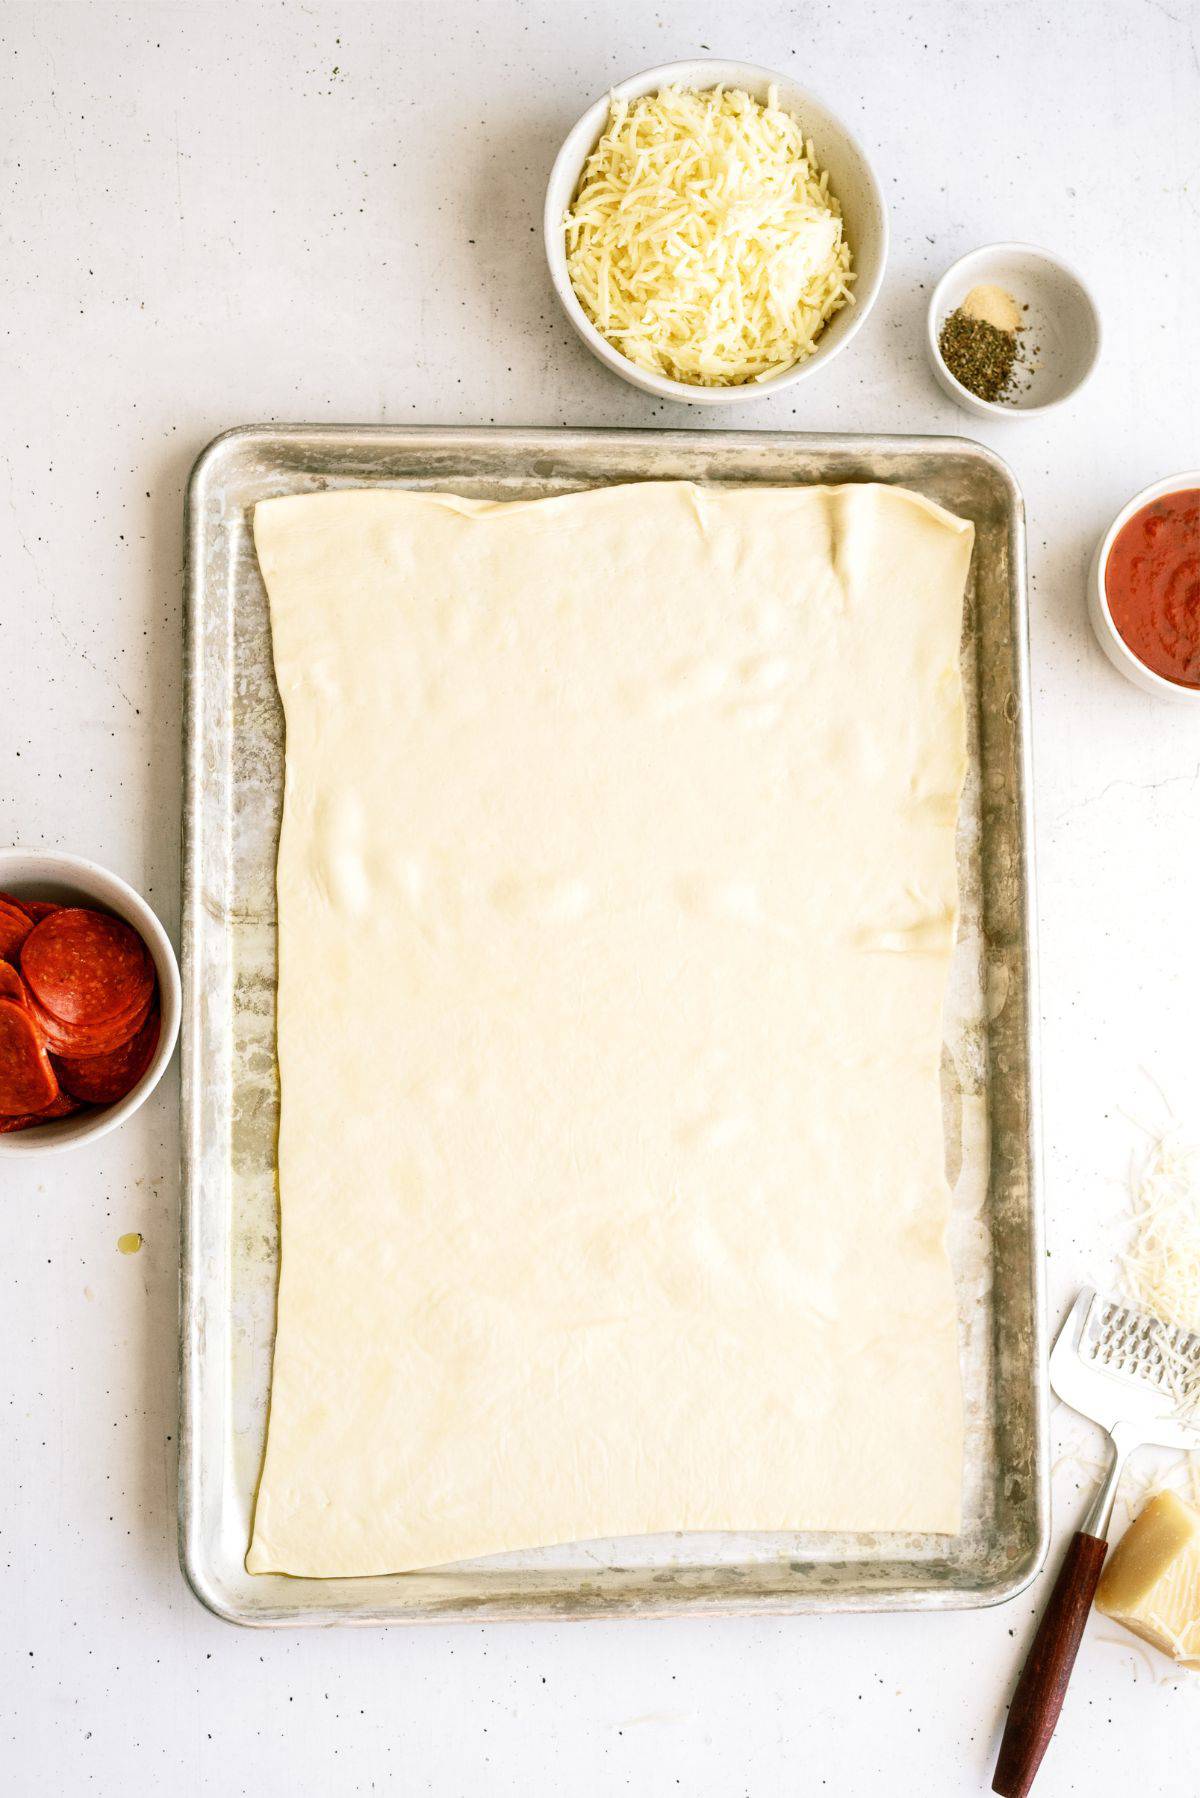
616,900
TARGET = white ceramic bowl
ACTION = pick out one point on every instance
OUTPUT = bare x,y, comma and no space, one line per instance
851,179
1062,323
1107,635
50,874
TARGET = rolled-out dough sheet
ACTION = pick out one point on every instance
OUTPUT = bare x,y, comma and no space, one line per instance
616,902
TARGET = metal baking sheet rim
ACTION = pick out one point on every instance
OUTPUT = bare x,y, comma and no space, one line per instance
351,454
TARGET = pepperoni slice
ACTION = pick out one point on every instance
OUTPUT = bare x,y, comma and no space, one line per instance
27,1080
11,985
15,925
78,1040
87,967
61,1107
39,908
103,1079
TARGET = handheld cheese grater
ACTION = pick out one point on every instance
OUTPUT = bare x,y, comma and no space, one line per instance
1139,1378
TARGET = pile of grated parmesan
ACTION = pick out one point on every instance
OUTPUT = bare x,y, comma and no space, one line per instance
703,241
1161,1266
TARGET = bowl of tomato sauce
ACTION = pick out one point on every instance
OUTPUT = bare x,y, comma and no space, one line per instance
1144,590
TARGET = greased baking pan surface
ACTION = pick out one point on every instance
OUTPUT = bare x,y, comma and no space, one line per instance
234,772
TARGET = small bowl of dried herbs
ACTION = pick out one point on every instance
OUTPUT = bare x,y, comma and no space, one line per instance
1012,331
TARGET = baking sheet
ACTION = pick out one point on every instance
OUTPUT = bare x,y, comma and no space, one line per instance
234,772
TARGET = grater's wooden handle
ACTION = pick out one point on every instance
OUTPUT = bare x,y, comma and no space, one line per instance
1043,1683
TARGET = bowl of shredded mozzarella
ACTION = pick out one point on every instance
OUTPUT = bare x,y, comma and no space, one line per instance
713,232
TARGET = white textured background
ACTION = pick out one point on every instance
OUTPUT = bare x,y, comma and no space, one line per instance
220,213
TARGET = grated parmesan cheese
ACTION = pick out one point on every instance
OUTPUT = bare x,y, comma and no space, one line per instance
703,241
1161,1273
1161,1266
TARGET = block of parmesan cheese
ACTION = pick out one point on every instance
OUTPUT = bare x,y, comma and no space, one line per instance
1152,1581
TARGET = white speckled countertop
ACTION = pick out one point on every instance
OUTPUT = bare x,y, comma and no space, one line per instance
218,213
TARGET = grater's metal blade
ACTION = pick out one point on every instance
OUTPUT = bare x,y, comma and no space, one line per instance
1116,1365
1136,1345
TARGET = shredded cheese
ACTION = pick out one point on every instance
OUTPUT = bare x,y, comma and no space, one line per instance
703,241
1161,1273
1161,1266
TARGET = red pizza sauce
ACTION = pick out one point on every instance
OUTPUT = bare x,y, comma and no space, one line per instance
1152,583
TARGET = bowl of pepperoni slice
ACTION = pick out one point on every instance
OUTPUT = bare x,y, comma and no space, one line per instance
90,1001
